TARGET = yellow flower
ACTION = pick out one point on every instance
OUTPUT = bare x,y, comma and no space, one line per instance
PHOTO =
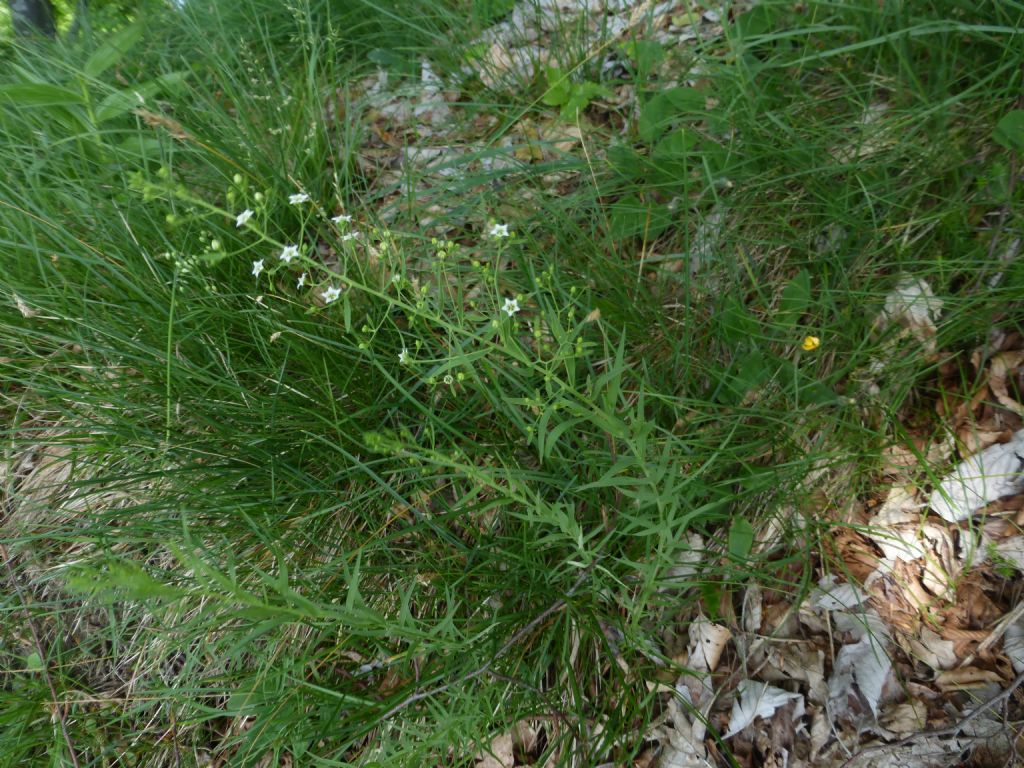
811,343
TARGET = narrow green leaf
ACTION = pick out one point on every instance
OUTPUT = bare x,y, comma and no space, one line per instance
108,54
122,101
38,95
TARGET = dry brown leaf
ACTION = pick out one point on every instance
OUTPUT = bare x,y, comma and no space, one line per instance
856,552
999,368
968,677
908,717
173,127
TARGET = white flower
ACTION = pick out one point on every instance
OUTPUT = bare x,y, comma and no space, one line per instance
257,267
342,218
349,236
298,198
243,217
510,307
289,253
499,230
331,294
403,356
302,280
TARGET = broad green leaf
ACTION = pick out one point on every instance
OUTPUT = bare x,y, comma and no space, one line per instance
711,595
33,662
486,12
676,144
737,324
1009,131
119,103
580,97
795,299
144,146
127,99
803,388
752,370
626,161
108,54
646,53
124,579
757,21
395,60
38,95
559,87
741,538
631,217
666,109
685,100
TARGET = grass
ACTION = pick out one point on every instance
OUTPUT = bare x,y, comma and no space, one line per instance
242,526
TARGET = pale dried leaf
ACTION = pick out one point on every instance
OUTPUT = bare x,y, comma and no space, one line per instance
499,755
753,602
1013,644
758,699
914,305
688,558
821,731
681,748
860,673
980,480
933,650
524,736
798,662
830,596
23,308
707,642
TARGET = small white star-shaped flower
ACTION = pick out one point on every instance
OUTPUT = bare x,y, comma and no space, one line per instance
499,230
257,267
302,280
331,294
243,217
342,218
289,253
403,356
510,307
349,236
296,199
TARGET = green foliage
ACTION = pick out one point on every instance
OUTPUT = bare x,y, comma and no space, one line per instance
1009,130
571,96
371,524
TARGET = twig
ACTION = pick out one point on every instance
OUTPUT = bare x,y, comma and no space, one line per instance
486,666
952,730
